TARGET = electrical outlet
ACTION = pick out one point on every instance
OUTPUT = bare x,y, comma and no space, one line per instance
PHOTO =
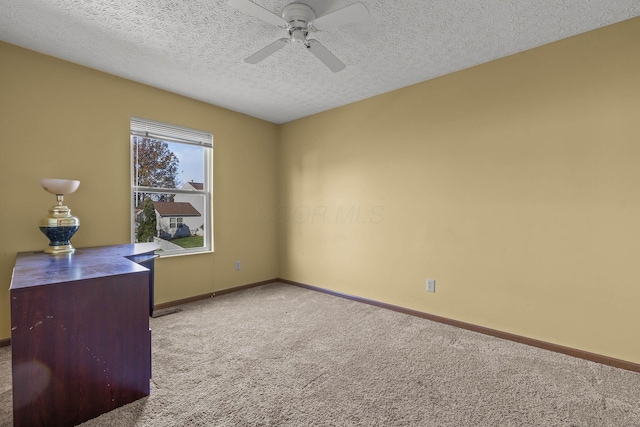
431,285
238,265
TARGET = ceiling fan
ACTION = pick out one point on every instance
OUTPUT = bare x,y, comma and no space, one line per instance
299,20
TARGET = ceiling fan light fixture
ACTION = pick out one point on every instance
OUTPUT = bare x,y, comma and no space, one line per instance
298,35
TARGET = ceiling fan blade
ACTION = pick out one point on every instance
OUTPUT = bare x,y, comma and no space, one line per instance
259,12
326,57
353,12
266,51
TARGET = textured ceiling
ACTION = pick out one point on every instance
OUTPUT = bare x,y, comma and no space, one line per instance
197,47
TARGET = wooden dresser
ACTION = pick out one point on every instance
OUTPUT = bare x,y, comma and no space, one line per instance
80,337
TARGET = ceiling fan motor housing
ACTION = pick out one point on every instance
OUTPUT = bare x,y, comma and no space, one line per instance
298,15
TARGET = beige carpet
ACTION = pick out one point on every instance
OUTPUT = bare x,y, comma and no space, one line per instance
283,356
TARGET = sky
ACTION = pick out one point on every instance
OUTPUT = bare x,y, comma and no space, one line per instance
191,167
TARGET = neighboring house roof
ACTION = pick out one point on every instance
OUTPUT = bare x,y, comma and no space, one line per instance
175,209
196,185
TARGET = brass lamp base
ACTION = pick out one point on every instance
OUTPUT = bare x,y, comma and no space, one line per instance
59,227
60,249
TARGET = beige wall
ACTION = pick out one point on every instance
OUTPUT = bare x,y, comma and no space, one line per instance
515,184
60,120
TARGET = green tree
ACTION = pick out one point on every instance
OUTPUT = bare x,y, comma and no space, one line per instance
155,166
147,226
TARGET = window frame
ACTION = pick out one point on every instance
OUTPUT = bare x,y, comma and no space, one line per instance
145,128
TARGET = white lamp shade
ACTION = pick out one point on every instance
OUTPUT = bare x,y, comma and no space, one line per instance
59,186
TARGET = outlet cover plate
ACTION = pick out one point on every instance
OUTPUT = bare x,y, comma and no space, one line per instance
431,285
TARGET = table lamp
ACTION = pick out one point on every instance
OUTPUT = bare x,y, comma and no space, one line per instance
60,225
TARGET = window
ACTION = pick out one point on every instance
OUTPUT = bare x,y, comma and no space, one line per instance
171,187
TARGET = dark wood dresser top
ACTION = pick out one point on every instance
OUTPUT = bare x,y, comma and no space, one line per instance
38,268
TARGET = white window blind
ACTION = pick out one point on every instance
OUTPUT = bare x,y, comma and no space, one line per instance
156,130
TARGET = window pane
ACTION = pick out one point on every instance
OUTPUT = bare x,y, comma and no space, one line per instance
165,164
175,221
